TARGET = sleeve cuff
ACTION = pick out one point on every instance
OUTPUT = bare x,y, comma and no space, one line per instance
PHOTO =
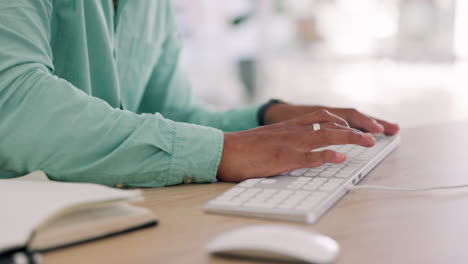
196,154
242,118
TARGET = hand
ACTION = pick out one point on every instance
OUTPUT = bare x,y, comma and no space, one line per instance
282,112
285,146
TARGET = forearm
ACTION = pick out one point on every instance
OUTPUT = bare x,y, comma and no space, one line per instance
48,124
232,120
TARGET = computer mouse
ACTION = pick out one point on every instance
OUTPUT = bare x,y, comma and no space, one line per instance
275,242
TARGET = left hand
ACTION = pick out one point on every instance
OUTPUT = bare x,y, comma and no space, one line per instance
283,112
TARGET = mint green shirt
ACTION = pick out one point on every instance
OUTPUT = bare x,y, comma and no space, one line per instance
89,96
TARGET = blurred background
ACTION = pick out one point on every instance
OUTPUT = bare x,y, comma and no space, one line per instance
403,60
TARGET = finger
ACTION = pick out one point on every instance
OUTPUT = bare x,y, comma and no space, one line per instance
389,128
320,116
318,158
327,137
303,135
363,122
331,125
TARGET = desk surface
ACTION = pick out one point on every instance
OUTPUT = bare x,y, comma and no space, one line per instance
371,226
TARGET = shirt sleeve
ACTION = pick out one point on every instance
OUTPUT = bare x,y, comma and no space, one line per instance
170,93
48,124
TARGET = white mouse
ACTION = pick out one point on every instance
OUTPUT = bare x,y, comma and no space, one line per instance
276,242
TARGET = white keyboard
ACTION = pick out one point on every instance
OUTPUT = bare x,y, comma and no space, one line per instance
304,194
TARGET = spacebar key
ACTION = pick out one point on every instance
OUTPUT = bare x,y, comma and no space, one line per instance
225,203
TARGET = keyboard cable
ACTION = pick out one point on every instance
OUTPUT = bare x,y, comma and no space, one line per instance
405,189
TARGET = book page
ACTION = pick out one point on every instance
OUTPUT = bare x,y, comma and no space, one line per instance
88,224
26,204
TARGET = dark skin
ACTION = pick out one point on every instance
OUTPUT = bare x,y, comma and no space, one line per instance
288,141
282,112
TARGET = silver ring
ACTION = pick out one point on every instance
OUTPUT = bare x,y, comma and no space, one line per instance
316,126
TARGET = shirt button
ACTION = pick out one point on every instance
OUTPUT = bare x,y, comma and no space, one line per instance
119,185
188,180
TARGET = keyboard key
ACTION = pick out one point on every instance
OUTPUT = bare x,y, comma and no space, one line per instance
246,195
311,173
224,198
298,172
225,203
319,180
302,179
285,193
240,199
301,191
234,191
305,207
288,204
285,206
319,169
249,182
254,190
310,187
258,205
335,181
264,195
327,187
331,184
316,184
300,195
327,174
348,170
268,181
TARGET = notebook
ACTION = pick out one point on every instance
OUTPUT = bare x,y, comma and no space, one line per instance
41,215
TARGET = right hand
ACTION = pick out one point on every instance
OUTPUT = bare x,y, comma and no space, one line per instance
270,150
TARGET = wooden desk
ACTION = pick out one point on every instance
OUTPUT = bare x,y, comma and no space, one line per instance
371,226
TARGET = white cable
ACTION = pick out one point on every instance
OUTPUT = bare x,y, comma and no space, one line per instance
405,189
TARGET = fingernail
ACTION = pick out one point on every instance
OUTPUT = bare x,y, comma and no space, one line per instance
340,156
381,127
368,137
377,123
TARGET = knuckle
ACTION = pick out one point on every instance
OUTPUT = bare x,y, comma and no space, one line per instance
353,136
304,120
351,112
323,113
339,120
322,134
355,112
332,125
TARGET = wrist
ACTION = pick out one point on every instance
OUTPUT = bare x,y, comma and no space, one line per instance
267,112
226,156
